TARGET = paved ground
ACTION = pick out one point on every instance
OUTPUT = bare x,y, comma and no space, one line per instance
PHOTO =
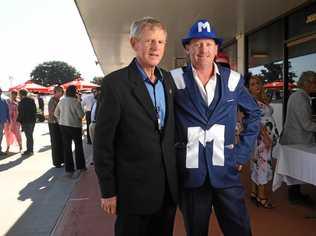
83,216
33,193
37,199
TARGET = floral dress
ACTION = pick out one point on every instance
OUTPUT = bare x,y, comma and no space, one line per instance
261,164
12,129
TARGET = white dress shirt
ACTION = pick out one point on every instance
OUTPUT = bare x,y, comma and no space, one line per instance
93,112
87,102
208,90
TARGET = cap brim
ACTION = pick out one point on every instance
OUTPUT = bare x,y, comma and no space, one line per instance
185,41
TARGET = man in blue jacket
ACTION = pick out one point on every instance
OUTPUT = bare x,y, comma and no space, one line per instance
209,160
4,117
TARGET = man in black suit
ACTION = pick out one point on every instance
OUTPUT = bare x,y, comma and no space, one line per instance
134,139
27,118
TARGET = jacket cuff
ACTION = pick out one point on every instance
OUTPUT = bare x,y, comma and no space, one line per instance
108,190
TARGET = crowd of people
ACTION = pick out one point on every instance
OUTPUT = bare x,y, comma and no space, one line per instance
65,120
162,139
19,114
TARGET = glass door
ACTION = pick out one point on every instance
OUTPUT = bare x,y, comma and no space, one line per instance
301,57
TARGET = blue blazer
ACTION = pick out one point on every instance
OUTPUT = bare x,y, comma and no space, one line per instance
205,135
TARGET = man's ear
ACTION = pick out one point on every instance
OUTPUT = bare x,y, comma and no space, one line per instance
186,49
132,41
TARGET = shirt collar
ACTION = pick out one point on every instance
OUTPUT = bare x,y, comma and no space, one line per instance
157,72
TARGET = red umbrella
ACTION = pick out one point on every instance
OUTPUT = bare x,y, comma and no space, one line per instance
278,85
80,84
31,87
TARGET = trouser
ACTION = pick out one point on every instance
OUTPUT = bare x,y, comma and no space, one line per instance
70,134
159,223
56,144
229,205
88,120
28,130
1,134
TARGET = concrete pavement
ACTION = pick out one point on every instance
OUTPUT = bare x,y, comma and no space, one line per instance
33,193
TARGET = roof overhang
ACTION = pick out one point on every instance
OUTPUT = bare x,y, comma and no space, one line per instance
107,22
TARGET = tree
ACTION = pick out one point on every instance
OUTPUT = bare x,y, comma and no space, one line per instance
53,72
97,80
274,72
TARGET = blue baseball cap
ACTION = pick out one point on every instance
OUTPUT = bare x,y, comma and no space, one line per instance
202,29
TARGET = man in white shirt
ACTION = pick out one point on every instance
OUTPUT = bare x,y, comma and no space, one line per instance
97,93
87,102
299,127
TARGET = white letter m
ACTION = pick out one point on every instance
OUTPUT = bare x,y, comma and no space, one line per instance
202,26
197,135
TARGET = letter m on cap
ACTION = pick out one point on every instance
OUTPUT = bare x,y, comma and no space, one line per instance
202,26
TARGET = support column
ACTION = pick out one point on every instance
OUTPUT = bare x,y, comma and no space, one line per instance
241,67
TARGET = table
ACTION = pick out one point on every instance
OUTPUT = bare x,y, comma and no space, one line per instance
296,164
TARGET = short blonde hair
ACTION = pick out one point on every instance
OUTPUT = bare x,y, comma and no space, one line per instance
138,26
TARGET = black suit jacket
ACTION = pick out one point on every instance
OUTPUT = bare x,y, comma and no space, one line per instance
133,159
26,111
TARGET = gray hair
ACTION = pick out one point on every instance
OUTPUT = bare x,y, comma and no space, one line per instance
306,78
138,25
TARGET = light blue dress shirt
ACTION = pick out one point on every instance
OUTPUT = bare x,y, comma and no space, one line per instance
157,94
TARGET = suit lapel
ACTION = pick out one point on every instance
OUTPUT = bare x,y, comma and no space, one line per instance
140,91
194,94
222,94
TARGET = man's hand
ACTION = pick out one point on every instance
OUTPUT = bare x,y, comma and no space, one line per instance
239,167
109,205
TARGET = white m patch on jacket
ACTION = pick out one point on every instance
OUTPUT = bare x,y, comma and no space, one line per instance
233,80
197,135
177,75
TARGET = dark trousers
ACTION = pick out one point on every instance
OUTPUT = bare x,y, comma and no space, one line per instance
229,205
70,134
56,144
28,130
159,223
1,134
88,120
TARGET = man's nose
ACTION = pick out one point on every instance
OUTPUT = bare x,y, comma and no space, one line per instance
154,44
203,47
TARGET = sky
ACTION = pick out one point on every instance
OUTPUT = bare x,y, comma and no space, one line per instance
36,31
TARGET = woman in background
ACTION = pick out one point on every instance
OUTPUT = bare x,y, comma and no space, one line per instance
12,128
261,163
69,114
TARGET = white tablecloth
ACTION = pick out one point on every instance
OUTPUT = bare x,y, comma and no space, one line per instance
296,164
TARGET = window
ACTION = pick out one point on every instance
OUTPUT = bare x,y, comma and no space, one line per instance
265,58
